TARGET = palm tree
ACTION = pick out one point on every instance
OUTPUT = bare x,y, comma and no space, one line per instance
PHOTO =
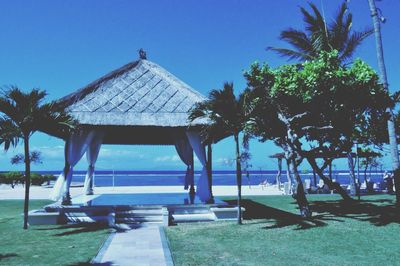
319,36
227,116
394,151
24,114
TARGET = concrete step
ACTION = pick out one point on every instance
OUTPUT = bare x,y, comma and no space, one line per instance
87,219
199,217
141,215
190,210
143,207
138,219
85,214
134,213
226,213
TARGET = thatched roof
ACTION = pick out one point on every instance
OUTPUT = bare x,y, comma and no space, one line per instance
140,93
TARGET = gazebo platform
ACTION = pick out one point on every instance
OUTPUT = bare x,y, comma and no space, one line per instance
134,209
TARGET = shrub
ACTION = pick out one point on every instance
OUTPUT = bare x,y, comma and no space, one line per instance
13,178
38,180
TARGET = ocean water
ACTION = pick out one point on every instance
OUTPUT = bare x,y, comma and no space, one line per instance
176,178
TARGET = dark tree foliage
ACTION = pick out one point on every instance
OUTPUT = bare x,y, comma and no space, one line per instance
226,116
22,115
35,157
318,36
319,107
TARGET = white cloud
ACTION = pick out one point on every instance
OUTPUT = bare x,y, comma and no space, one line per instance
167,158
55,152
118,153
224,161
47,152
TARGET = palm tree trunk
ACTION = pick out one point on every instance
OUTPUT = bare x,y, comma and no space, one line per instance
394,152
27,179
238,179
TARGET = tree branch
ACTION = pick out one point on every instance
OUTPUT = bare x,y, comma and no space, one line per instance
306,128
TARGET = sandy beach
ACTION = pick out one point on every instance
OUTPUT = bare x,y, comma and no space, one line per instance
37,192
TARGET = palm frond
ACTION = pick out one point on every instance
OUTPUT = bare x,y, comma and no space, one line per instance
9,133
318,31
224,112
354,41
297,39
321,36
313,23
339,27
200,110
52,117
290,54
28,113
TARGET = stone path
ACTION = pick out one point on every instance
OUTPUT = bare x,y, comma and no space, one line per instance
140,246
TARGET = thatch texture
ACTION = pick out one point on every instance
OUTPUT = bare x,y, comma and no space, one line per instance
140,93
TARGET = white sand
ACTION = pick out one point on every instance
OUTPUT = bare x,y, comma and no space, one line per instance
36,192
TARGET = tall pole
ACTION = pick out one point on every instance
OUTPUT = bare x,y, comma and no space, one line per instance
391,126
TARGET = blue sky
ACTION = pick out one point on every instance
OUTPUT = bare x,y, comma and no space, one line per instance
61,46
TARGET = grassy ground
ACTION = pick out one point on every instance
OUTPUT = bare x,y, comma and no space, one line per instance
365,233
44,245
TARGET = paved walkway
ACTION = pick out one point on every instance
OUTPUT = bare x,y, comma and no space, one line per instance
141,246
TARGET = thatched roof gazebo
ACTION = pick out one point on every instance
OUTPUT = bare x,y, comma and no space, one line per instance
138,103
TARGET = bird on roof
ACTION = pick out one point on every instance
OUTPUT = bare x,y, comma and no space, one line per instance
142,54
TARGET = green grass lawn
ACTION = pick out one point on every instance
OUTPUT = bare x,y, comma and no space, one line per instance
44,245
365,233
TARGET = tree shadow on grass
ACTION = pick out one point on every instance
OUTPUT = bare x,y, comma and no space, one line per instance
255,210
7,255
365,210
379,212
78,228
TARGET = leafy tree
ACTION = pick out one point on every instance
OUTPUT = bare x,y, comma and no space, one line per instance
319,107
269,120
368,160
319,35
23,115
227,116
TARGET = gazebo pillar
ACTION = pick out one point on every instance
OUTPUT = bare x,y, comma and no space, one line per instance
209,167
66,198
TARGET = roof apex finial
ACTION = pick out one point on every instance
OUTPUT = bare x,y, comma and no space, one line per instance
142,54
